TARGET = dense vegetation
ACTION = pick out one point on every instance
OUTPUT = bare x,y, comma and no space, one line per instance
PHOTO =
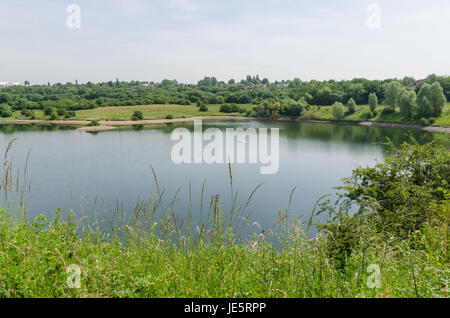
392,217
416,99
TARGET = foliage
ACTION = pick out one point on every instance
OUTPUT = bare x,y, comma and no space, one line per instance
373,102
407,103
401,227
392,200
392,92
351,105
338,110
251,90
137,115
431,100
94,123
5,110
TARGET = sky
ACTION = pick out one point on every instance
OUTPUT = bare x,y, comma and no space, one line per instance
188,39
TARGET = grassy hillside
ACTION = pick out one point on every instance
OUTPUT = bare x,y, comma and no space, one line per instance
361,114
179,111
125,112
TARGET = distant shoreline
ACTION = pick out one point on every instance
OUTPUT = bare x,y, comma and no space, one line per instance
112,124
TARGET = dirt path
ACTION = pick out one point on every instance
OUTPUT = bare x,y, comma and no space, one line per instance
112,124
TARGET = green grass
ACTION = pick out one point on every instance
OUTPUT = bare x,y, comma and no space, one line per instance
35,257
149,112
180,111
325,113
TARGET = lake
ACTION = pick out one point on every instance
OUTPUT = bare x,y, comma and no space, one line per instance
72,169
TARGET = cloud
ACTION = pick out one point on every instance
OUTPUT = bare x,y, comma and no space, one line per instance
183,5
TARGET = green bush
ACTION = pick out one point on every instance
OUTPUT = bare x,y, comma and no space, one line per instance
137,115
94,123
69,114
424,121
392,200
170,116
387,110
5,110
203,108
61,112
229,108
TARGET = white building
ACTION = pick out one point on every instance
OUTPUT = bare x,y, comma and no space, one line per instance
6,84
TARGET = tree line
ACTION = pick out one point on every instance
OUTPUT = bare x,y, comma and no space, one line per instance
284,98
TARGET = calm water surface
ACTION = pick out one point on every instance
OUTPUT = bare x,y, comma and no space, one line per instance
70,169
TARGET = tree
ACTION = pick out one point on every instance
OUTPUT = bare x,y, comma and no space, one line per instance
438,99
430,100
351,105
48,110
392,92
338,110
291,107
373,102
407,103
5,110
5,98
424,108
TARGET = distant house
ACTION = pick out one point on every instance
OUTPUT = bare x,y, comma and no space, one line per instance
282,84
417,82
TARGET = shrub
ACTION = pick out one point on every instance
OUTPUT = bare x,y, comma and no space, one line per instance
387,111
27,113
94,123
229,108
48,110
61,112
137,115
5,110
170,116
393,199
424,121
366,115
203,108
69,114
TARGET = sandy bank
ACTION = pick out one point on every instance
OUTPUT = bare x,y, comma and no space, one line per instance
111,124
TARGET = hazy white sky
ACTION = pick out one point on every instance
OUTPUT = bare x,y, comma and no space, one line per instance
188,39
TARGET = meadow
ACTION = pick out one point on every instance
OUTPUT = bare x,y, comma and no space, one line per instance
118,113
148,111
362,111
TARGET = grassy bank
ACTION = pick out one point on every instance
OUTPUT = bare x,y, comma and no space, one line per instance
148,111
122,113
362,111
400,233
